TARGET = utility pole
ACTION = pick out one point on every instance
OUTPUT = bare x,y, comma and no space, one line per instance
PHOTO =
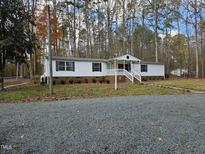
50,54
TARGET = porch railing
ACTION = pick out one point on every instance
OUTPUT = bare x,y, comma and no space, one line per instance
137,75
134,74
128,75
120,72
112,71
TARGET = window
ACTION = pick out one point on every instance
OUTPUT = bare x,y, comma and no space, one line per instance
143,68
97,67
70,66
60,66
65,66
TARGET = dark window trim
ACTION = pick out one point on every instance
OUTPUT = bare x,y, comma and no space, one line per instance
144,68
65,66
93,68
73,68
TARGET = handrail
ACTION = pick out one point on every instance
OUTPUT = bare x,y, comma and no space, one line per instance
137,75
112,71
121,72
128,75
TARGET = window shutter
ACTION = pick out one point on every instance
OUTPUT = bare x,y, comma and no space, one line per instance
56,65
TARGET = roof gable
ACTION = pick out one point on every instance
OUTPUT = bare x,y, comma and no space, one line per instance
126,57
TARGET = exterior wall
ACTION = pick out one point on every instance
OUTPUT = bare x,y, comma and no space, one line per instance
136,67
82,69
152,70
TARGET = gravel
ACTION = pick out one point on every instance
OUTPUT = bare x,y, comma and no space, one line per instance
143,124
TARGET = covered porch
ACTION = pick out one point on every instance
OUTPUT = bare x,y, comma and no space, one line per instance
126,65
126,62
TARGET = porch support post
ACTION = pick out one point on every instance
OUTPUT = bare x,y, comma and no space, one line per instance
124,64
131,63
115,65
131,71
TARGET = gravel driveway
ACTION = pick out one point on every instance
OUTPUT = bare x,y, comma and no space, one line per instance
144,124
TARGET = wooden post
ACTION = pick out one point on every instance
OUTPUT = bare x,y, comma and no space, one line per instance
131,71
131,66
17,70
21,71
50,54
115,65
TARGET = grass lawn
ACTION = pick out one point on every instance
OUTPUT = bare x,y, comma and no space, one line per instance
193,84
40,93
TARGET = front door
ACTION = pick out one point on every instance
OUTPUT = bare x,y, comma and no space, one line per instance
127,67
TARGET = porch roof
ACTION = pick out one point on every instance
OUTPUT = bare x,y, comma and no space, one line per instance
126,57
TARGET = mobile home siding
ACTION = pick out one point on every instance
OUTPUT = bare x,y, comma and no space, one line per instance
154,70
82,69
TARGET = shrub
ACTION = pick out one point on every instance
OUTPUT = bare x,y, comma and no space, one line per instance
78,81
62,82
102,80
54,82
71,81
94,80
166,76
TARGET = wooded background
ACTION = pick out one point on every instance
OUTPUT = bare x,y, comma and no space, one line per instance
166,31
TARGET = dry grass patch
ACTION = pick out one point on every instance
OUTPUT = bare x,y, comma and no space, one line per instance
41,93
193,84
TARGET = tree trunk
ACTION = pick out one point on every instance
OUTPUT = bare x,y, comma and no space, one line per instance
124,28
31,66
17,70
188,48
201,40
155,30
1,72
180,54
196,41
142,34
74,25
21,71
109,29
166,54
202,55
132,32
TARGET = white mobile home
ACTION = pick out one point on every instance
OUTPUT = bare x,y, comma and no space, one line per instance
125,66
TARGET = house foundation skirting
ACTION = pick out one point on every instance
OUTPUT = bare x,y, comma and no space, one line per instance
146,78
101,79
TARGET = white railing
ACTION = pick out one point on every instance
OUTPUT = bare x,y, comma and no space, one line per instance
120,72
112,71
137,75
128,75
